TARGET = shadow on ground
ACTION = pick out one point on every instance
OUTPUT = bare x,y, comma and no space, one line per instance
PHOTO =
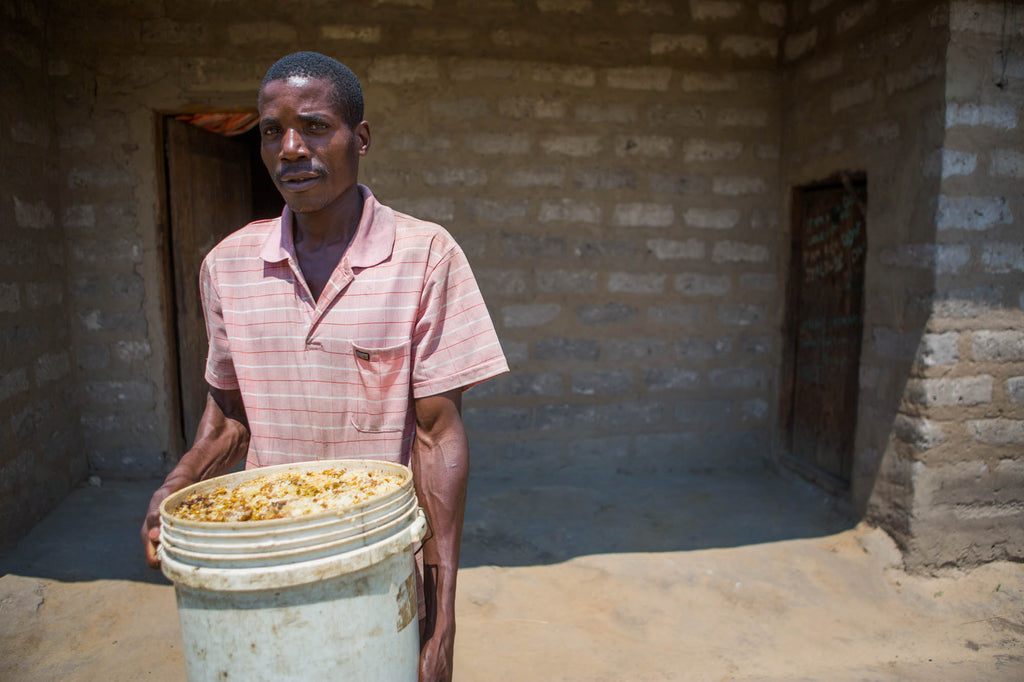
92,535
569,514
510,520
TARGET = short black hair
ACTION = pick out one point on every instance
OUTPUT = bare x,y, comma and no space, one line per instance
348,93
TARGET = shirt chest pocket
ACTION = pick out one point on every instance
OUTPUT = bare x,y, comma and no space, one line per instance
382,388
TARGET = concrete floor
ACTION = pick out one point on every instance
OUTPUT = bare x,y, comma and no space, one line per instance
744,576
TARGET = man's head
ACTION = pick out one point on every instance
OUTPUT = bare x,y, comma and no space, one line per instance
311,132
347,95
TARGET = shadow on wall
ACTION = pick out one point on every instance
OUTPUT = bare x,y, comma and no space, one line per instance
900,300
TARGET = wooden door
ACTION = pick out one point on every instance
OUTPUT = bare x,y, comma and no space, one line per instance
825,322
209,195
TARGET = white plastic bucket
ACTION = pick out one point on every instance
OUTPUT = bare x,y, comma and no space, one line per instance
327,596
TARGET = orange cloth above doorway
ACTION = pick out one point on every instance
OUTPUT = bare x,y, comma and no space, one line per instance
228,125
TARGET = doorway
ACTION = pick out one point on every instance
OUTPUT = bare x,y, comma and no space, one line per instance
215,184
824,322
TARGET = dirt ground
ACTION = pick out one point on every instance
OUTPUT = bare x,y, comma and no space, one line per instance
800,594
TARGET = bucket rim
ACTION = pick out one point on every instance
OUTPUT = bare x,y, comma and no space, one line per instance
273,548
246,579
294,554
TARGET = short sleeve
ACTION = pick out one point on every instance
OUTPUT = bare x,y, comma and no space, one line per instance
454,344
220,369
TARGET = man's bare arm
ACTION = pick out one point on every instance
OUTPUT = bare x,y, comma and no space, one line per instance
222,440
440,464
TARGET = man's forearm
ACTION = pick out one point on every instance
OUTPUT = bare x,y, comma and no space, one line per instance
222,439
440,463
442,467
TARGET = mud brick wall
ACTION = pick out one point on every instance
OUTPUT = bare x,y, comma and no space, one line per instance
962,419
908,93
40,458
622,224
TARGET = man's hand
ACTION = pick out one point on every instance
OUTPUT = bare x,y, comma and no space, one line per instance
222,440
440,465
437,654
151,524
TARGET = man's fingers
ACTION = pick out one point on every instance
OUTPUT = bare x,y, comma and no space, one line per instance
150,539
151,525
151,558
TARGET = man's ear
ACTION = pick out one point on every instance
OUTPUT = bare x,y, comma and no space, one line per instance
362,131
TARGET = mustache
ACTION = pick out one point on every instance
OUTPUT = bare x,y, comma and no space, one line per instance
297,168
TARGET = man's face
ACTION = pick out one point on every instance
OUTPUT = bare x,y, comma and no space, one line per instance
311,153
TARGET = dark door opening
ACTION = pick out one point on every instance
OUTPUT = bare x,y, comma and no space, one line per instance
215,185
824,323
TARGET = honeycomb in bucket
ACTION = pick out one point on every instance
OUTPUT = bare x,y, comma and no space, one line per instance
287,494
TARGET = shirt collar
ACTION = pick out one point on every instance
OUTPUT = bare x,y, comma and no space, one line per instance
373,242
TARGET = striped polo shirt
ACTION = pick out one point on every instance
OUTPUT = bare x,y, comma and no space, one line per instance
400,318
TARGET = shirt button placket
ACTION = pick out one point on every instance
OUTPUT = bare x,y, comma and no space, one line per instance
311,341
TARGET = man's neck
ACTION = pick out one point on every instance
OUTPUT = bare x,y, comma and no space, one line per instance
332,225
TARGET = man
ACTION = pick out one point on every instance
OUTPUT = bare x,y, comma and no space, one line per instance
341,329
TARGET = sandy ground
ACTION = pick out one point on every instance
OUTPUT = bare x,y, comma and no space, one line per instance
752,577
